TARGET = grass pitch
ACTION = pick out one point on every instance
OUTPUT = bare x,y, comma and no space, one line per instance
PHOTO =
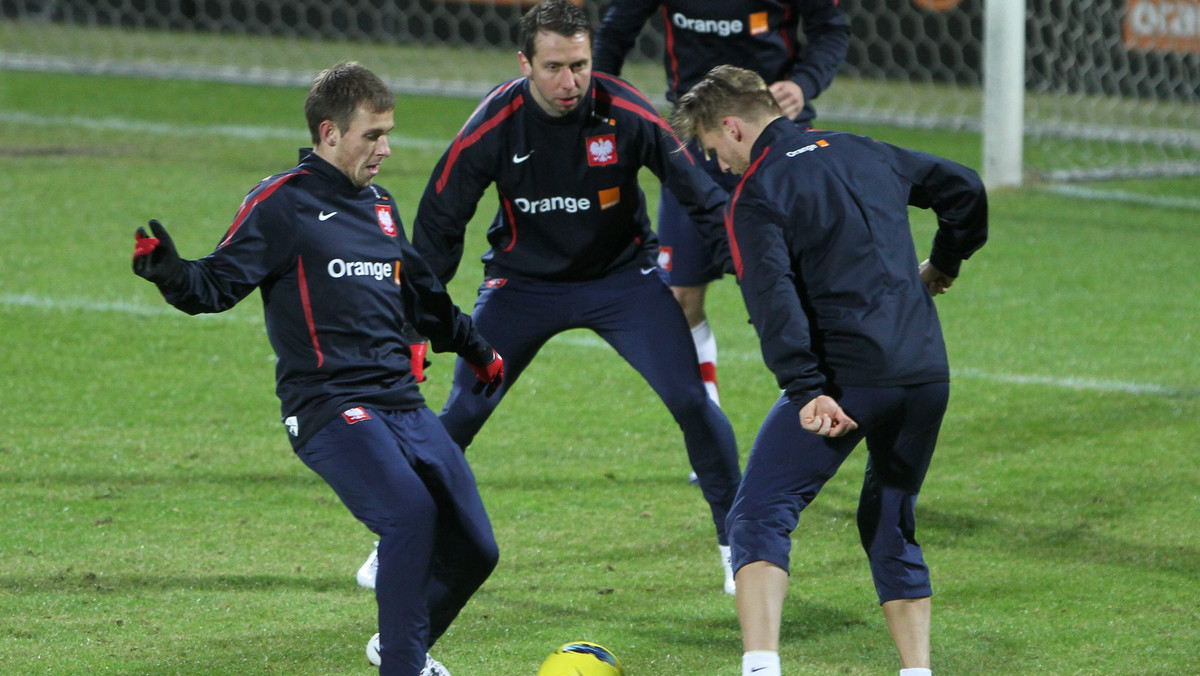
156,522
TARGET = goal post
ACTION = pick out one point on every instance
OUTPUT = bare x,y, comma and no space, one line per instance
1003,92
1060,90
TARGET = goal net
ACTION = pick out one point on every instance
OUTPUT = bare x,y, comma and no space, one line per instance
1112,87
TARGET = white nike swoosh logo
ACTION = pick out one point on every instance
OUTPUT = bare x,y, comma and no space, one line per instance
646,271
517,159
326,216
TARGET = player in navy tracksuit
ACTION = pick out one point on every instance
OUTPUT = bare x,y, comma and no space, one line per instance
571,244
338,281
820,239
759,35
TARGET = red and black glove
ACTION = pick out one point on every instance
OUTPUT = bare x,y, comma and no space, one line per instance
490,375
416,356
155,258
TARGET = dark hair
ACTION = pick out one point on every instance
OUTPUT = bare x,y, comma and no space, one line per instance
338,92
555,16
725,90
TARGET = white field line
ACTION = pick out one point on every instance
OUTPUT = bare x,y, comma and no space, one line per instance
582,339
28,300
591,341
1158,201
1086,384
252,132
299,136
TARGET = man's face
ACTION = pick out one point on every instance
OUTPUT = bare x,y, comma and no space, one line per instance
560,71
732,156
359,149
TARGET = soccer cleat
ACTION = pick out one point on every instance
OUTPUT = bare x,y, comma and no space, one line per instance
433,668
727,564
366,572
373,650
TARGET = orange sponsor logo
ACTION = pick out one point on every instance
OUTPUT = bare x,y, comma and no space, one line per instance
610,197
758,23
1163,25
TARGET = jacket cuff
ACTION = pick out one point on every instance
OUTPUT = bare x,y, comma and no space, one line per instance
801,395
477,352
945,262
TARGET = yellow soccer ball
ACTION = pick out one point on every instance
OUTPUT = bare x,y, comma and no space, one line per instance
580,658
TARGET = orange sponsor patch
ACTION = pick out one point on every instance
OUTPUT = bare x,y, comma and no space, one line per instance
758,23
610,197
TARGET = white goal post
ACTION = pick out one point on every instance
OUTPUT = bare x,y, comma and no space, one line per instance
1003,92
1060,90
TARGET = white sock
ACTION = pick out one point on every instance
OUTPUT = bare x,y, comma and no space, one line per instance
706,354
727,564
916,671
760,663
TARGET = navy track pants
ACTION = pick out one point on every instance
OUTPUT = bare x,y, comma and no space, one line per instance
402,476
788,466
636,314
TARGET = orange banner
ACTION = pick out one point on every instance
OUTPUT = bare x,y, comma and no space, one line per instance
1163,25
937,5
523,3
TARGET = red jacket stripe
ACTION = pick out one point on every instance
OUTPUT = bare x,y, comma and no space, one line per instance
633,93
670,48
734,251
462,142
252,201
306,303
783,33
486,100
646,111
512,222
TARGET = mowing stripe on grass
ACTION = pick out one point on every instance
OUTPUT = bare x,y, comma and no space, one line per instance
591,341
253,132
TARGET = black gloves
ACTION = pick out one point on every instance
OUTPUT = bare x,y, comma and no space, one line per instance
155,258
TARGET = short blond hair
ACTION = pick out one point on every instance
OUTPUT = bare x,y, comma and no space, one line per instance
724,91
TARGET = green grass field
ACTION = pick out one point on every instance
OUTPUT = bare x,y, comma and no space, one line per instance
156,522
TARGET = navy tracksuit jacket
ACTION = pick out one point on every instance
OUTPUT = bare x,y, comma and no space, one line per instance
328,256
823,251
572,247
759,35
821,242
339,280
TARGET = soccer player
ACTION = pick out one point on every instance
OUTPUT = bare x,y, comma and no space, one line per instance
826,263
571,244
338,278
758,35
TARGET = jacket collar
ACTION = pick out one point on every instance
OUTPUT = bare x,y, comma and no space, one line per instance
583,111
777,129
316,165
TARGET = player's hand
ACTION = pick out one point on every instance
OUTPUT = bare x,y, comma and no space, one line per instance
936,281
789,96
417,358
824,416
155,258
490,375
